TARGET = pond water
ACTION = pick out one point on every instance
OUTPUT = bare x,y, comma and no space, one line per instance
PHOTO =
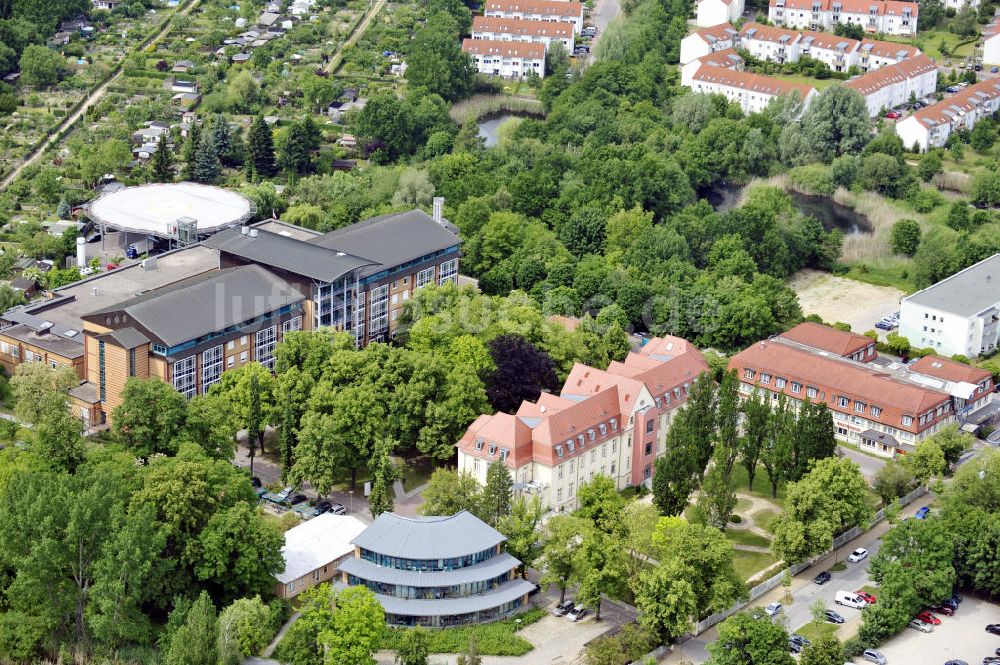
488,129
831,214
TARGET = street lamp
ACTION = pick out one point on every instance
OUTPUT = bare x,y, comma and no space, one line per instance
351,493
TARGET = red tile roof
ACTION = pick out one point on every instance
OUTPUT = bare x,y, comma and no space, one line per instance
824,5
875,80
727,57
522,27
722,32
546,7
751,82
950,370
769,33
533,50
829,41
889,49
819,336
947,110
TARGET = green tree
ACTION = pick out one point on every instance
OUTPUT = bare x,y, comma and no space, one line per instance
383,474
837,123
260,144
959,216
824,650
163,162
449,492
930,165
495,499
58,441
560,541
437,63
893,480
776,455
222,137
905,237
520,528
756,431
301,140
207,168
666,600
238,552
40,66
727,444
471,654
194,643
32,383
601,502
926,462
356,631
750,637
414,647
301,644
150,417
249,392
244,630
718,497
601,569
986,189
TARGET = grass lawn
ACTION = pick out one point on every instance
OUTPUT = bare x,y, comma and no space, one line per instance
873,590
742,505
814,630
748,564
764,518
819,84
761,484
929,41
838,567
492,639
747,538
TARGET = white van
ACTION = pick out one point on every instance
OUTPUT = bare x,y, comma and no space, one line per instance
849,599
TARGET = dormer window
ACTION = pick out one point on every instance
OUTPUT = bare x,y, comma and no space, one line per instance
582,439
559,451
907,420
571,445
614,424
493,449
659,403
479,444
592,434
504,452
765,378
677,393
603,428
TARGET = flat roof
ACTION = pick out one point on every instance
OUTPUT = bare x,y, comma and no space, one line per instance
153,208
967,292
316,543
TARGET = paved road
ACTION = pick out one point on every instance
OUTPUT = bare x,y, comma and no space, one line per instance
869,465
92,98
604,12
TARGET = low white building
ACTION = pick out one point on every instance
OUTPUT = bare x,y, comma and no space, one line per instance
991,42
874,54
727,59
894,85
958,315
766,42
511,60
522,30
313,551
708,40
714,12
837,53
558,11
891,17
930,127
753,92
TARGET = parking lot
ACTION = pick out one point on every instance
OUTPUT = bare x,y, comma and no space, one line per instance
961,637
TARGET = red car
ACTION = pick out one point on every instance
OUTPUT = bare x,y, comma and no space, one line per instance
865,596
892,115
927,617
112,266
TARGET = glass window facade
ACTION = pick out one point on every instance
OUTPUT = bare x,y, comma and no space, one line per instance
264,342
211,367
185,376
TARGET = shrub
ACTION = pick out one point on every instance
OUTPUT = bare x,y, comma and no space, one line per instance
492,639
813,179
925,200
905,237
735,519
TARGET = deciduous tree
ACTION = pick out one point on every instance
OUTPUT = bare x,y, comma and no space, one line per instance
750,637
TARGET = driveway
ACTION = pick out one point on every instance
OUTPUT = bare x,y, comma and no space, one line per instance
603,13
869,465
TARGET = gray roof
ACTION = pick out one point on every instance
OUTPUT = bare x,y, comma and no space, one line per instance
127,338
966,293
206,303
53,340
85,392
487,570
393,239
428,538
287,253
505,593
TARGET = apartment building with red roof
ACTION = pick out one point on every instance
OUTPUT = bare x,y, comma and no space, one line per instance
714,12
522,30
837,53
892,86
558,11
991,41
874,54
827,338
753,92
611,422
890,17
506,59
726,59
931,126
977,383
766,42
704,41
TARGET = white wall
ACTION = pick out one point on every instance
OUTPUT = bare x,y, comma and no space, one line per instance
712,12
509,66
567,42
991,50
911,131
693,47
947,334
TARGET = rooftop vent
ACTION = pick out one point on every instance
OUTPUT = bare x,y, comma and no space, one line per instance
244,230
253,233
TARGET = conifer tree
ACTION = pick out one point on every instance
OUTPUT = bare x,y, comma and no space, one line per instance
207,167
163,161
261,148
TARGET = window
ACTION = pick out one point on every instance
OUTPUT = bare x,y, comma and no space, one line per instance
859,407
569,490
243,356
211,368
475,466
843,401
571,445
448,272
291,325
582,439
604,428
504,452
592,434
493,449
479,444
425,277
184,376
131,362
765,378
876,410
659,403
244,340
649,426
780,382
604,451
649,447
796,387
264,343
614,424
647,472
559,451
560,467
612,468
907,420
100,362
748,373
230,362
677,393
378,315
230,345
559,495
811,392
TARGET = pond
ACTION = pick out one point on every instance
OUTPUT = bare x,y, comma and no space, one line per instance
489,129
833,215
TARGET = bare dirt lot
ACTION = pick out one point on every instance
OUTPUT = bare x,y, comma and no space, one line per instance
839,299
962,637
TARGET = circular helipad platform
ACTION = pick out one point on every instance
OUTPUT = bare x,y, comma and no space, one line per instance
155,209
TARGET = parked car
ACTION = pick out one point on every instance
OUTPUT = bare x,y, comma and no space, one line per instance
957,598
562,608
773,610
952,89
577,613
874,656
94,238
993,628
535,588
848,599
922,626
799,639
956,662
994,70
922,513
927,617
867,597
946,610
950,602
322,507
833,617
338,509
893,115
857,555
823,577
794,646
298,498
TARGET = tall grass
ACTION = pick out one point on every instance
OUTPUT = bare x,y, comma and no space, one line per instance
479,107
877,247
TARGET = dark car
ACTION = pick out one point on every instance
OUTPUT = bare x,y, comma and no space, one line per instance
535,590
922,513
562,608
833,617
799,639
956,662
255,481
946,610
950,602
823,577
794,646
298,498
323,507
993,628
94,238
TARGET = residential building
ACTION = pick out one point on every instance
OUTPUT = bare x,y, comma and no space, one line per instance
931,126
837,53
436,571
991,41
704,41
611,422
558,11
188,315
726,59
886,410
753,92
890,17
314,550
522,30
976,380
714,12
894,85
506,59
766,42
843,343
874,54
959,314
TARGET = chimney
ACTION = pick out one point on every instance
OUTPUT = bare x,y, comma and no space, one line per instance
81,253
439,209
253,233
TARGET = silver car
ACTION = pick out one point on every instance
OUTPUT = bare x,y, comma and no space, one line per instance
922,626
873,656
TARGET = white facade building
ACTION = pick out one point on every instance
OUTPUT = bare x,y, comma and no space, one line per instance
991,42
714,12
708,40
874,54
522,30
510,60
930,127
727,59
837,53
891,17
893,85
753,92
766,42
558,11
959,314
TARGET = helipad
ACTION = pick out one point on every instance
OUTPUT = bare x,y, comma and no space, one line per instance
155,208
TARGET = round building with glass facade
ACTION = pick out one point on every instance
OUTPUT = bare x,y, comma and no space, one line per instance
437,571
